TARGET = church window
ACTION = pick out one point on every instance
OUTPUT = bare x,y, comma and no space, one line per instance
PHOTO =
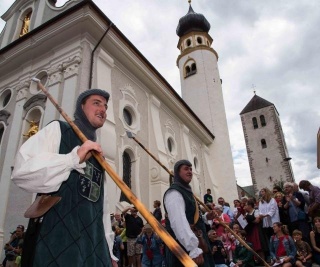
263,143
1,131
127,116
255,122
262,120
127,166
199,40
43,77
188,42
5,98
190,68
195,163
170,144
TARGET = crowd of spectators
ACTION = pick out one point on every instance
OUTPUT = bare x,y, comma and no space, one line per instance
282,226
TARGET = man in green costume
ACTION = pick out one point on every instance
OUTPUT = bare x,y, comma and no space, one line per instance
76,231
183,212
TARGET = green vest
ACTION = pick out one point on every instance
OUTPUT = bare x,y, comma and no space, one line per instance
190,209
72,232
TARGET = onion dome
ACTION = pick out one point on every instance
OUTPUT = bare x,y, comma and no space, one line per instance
192,22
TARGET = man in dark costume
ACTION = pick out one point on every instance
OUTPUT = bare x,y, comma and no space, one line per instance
183,213
74,232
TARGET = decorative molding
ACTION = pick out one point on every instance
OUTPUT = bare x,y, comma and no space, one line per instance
154,173
71,67
129,102
37,100
65,70
169,124
55,74
22,89
127,88
4,115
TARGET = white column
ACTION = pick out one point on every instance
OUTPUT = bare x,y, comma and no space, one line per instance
15,133
51,112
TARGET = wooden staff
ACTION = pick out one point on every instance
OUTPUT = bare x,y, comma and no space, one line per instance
130,135
159,229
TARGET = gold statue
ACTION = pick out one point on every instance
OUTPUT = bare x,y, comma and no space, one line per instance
25,25
34,128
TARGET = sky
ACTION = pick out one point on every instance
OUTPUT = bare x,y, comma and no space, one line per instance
272,47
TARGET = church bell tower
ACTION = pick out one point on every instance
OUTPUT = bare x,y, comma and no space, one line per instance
201,89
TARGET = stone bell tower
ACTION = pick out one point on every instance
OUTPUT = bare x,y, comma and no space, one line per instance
266,146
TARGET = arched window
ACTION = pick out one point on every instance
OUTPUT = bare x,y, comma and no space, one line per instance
263,143
127,166
262,120
1,131
199,40
193,68
127,116
255,122
188,70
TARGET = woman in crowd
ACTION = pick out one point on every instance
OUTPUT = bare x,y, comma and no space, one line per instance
223,217
237,208
268,210
315,240
254,236
279,198
282,247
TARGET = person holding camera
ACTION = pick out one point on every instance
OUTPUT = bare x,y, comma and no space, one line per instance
134,225
151,242
217,249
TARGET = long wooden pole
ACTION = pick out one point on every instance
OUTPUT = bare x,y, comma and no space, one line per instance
159,229
130,135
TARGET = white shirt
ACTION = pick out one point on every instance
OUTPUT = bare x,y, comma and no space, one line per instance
175,207
270,209
39,168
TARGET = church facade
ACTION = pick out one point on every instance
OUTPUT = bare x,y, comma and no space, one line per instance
60,46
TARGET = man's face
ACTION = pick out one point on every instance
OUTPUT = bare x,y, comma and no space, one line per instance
134,212
221,201
19,232
212,236
117,216
288,189
209,192
185,173
95,109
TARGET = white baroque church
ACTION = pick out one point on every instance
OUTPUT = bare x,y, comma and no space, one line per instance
61,46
